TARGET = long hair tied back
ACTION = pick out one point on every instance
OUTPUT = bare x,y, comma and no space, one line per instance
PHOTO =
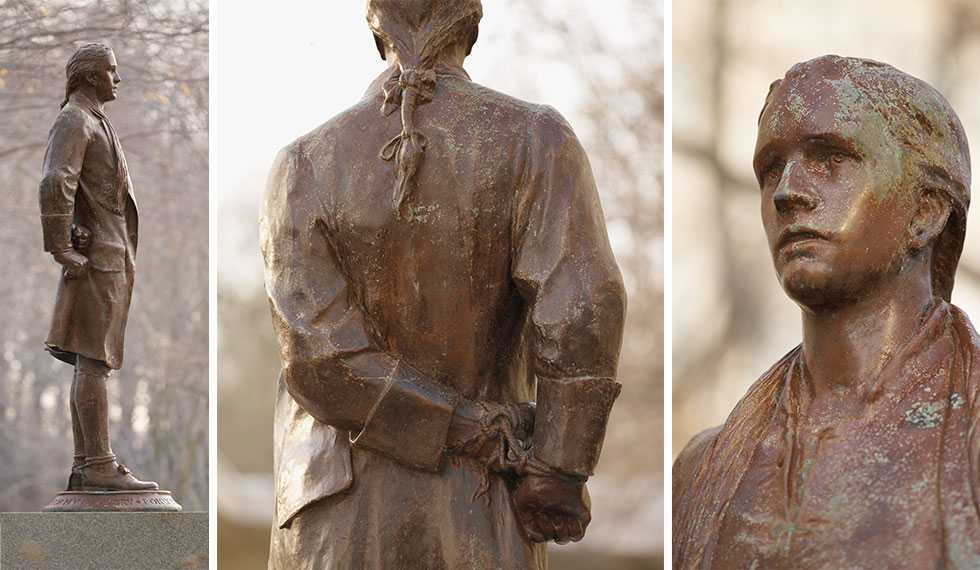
86,59
418,31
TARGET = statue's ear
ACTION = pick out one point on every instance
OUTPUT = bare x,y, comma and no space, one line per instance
380,44
929,220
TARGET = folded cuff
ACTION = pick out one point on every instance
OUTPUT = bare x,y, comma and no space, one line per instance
570,422
57,232
410,421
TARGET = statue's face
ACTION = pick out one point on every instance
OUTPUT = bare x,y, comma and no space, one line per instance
835,203
106,81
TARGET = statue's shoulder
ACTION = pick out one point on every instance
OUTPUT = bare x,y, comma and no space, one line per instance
688,460
539,117
295,163
73,118
338,129
497,100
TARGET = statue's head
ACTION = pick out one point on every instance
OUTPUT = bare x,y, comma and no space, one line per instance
419,30
93,65
865,174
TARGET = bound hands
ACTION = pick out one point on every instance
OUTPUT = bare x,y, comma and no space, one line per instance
74,263
550,505
553,507
494,434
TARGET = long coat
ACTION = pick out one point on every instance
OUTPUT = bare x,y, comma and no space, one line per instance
85,183
496,273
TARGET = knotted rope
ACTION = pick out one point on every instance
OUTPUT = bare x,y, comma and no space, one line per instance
502,428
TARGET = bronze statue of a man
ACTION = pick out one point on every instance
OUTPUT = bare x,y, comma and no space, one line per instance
89,220
435,256
861,447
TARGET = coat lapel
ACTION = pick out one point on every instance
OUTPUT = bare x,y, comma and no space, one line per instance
122,170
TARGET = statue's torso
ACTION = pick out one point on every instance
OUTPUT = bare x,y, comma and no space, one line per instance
858,492
438,284
104,203
436,280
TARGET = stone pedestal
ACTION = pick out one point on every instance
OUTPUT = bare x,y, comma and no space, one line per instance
103,540
113,501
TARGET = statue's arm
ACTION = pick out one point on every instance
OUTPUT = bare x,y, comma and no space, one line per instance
333,365
62,166
565,270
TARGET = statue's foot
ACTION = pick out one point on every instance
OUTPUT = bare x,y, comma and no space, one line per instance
105,474
75,478
74,481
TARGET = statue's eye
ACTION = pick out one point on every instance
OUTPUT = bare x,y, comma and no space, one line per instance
774,169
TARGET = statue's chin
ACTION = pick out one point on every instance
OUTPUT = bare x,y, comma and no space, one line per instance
830,282
810,284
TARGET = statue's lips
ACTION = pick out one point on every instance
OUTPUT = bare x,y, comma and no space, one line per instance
798,234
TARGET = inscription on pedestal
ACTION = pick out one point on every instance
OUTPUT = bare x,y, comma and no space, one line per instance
136,501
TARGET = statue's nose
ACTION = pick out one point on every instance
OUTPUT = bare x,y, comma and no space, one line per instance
794,190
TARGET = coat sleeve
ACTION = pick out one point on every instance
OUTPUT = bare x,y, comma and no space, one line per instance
333,364
566,272
62,166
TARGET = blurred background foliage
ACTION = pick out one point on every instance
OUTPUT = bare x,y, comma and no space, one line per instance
158,401
601,65
731,319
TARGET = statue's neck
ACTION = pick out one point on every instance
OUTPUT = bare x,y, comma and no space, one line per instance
87,96
846,348
453,57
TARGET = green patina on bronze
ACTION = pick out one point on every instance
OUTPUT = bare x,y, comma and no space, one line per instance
858,449
423,295
917,140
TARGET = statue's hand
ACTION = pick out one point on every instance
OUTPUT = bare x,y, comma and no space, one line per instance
75,264
81,238
553,507
491,432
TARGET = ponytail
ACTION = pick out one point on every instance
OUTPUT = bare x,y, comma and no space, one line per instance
407,88
418,32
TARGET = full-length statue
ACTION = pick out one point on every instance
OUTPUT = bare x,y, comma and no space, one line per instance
436,258
89,222
861,447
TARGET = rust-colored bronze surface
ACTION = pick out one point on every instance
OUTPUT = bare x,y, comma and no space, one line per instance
90,227
85,185
435,256
860,448
113,501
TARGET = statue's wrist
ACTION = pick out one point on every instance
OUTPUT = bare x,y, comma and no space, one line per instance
464,421
535,467
61,254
